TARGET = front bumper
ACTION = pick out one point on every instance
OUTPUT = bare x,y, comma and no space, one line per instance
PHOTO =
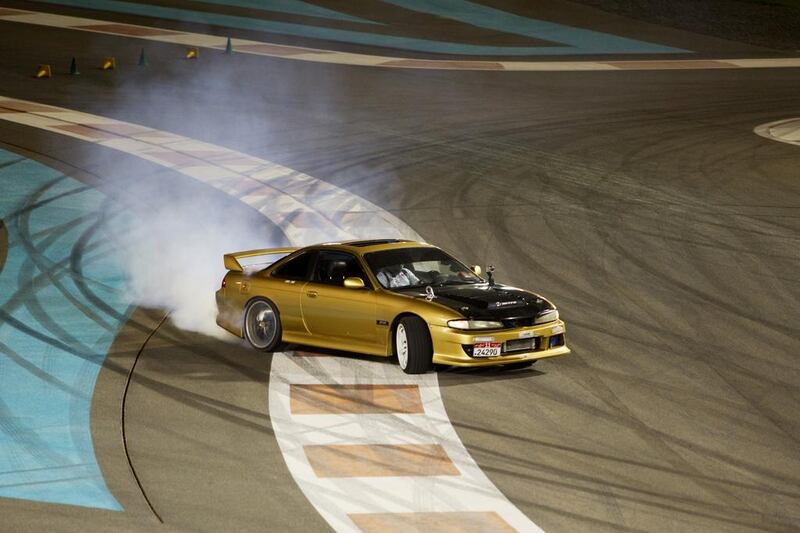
451,346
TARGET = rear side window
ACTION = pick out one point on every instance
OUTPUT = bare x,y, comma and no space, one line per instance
333,267
296,268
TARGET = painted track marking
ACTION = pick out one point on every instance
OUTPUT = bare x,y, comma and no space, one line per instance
785,131
53,335
299,53
348,502
305,208
336,399
562,39
298,204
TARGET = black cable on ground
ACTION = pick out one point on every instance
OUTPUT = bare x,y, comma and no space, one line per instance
122,416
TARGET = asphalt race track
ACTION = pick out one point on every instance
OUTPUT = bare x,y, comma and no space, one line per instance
640,200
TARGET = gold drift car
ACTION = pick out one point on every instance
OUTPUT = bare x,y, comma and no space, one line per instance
386,297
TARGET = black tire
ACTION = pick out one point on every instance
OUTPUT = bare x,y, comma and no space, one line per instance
262,325
418,355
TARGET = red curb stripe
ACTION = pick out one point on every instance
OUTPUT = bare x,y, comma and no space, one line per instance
379,460
355,399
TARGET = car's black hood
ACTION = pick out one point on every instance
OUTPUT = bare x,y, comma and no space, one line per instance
498,302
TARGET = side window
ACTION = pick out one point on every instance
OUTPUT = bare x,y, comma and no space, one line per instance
333,267
296,268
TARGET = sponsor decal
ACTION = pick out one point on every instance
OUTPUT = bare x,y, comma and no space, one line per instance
497,305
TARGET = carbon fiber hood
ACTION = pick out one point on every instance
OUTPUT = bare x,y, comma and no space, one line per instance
498,302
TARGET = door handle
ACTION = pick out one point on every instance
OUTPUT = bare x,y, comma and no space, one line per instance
312,294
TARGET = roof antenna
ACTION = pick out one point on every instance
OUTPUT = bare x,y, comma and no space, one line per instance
490,275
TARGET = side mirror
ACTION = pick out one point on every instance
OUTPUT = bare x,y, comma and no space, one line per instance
477,269
354,283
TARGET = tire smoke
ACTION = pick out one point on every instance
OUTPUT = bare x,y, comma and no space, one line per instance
171,252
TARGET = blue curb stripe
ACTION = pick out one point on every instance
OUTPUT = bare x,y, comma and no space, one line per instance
599,43
294,7
53,340
582,41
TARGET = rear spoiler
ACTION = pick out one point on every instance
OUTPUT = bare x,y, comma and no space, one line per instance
232,260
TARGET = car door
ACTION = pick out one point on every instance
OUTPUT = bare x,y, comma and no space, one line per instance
285,290
333,311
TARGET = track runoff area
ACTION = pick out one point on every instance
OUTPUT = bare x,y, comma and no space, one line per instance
370,448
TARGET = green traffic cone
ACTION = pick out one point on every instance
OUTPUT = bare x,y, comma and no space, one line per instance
73,67
142,59
229,47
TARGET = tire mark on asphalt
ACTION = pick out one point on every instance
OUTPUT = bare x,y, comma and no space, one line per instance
677,283
277,199
729,230
37,257
35,283
56,343
604,490
39,373
527,441
3,244
29,299
80,251
730,514
734,373
60,267
49,160
11,163
664,442
605,393
665,212
30,286
27,438
28,441
590,199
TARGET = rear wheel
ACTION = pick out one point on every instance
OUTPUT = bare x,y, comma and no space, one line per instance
412,345
262,325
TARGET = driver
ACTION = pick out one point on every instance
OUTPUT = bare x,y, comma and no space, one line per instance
402,278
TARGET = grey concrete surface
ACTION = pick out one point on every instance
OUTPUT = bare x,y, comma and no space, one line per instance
640,202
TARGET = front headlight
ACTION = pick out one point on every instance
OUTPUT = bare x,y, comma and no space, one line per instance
475,324
551,315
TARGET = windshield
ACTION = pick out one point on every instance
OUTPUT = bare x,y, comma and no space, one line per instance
405,268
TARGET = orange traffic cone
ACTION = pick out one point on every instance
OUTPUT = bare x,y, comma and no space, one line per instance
43,71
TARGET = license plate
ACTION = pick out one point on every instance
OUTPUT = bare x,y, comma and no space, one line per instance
487,349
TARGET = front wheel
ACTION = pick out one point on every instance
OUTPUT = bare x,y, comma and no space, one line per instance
412,345
262,325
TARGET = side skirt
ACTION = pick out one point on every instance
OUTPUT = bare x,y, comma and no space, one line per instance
345,346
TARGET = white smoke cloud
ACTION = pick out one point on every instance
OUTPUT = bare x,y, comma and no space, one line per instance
171,252
171,231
